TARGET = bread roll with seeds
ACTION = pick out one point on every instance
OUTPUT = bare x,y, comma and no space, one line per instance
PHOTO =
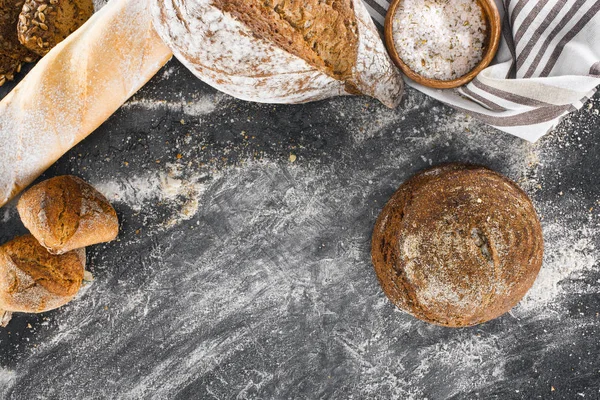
45,23
457,245
33,280
66,213
12,53
74,89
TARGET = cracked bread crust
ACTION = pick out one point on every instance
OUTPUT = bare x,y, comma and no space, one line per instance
33,280
66,213
324,33
457,245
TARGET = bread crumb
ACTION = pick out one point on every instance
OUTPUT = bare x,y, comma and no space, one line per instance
87,276
292,158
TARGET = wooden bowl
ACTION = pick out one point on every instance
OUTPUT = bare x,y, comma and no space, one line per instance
494,27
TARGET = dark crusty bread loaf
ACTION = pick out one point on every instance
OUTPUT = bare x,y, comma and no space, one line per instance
33,280
66,213
457,245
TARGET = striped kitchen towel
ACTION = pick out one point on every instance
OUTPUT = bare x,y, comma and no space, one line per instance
548,65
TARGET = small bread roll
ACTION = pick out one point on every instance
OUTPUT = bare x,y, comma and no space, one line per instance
33,280
66,213
457,245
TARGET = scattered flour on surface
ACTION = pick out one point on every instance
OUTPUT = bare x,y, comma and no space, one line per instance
168,187
196,107
7,381
567,255
98,4
477,358
168,72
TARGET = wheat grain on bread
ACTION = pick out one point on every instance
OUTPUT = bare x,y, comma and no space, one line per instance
280,51
45,23
33,280
65,213
457,245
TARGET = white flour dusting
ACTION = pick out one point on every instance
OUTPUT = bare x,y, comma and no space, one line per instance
268,287
167,187
7,380
195,107
467,355
568,255
98,4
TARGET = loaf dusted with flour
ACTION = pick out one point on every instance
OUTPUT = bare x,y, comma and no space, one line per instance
66,213
280,51
33,280
74,89
457,245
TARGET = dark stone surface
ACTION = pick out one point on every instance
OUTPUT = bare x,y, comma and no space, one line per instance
241,274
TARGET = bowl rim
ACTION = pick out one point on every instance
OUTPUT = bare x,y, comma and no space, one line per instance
492,15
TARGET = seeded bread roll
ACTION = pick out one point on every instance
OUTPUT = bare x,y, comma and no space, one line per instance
33,280
12,53
457,245
66,213
45,23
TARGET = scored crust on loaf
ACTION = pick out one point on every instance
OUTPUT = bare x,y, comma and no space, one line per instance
33,280
66,213
276,51
457,245
324,33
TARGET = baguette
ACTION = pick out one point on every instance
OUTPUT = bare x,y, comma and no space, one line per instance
74,89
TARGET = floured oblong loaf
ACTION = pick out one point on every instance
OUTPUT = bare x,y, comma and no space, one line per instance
75,88
280,51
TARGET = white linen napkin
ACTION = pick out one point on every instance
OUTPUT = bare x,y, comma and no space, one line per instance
548,65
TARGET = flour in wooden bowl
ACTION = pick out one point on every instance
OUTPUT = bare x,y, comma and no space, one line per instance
440,39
